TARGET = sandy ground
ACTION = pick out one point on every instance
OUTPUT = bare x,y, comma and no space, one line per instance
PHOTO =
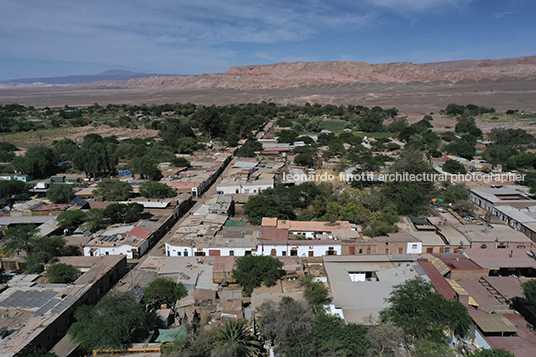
415,97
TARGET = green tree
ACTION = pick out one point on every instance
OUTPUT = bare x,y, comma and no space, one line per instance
38,161
152,189
123,213
110,323
332,337
113,190
456,193
64,149
461,148
269,203
251,271
494,352
529,290
164,291
41,352
71,220
424,314
315,293
13,190
454,167
315,124
249,148
371,123
235,337
411,197
61,273
59,193
39,250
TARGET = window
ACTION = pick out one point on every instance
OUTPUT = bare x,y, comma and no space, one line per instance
107,253
360,251
231,253
199,254
293,252
284,253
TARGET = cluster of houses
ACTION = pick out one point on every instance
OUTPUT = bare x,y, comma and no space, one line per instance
481,262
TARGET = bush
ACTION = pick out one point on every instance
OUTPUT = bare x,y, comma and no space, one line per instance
61,273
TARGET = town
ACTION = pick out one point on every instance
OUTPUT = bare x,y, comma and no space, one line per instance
342,229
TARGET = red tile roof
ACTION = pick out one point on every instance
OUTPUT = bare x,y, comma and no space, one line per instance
139,232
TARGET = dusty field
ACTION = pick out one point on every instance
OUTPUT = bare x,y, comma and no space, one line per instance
24,140
414,97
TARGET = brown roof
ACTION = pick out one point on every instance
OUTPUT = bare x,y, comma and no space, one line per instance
494,323
269,222
274,233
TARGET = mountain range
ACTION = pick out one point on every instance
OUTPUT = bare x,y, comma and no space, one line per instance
110,75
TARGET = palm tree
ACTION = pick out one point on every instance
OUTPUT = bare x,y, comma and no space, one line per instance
235,335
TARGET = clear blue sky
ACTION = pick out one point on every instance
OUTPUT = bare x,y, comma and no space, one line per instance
44,38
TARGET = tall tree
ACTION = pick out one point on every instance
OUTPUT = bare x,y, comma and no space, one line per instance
110,323
163,290
59,193
424,314
253,270
113,190
38,161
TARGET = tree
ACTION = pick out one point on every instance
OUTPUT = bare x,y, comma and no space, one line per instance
454,167
114,190
152,189
249,148
289,325
332,337
315,124
461,148
13,190
494,352
235,337
71,220
39,250
385,339
316,293
41,352
411,197
61,273
424,314
456,193
59,193
529,290
38,161
164,291
123,213
253,270
110,323
269,203
371,123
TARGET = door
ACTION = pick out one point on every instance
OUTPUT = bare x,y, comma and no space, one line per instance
273,252
311,253
352,250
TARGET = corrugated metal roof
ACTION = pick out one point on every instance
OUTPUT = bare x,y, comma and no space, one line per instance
494,323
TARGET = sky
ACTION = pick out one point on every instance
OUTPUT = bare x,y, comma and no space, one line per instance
47,38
